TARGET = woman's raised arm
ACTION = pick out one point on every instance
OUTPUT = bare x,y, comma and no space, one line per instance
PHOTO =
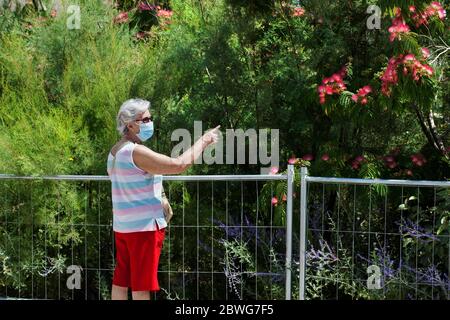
157,163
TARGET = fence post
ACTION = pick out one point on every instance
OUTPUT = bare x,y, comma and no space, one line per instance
302,235
290,187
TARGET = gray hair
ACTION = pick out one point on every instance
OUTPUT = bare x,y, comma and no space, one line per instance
128,112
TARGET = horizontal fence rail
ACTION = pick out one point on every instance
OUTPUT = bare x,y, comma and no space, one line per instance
387,182
255,177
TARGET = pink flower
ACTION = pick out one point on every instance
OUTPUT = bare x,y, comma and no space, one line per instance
434,9
336,78
405,71
298,12
442,14
410,65
343,72
308,157
322,99
359,159
284,198
325,157
355,165
293,160
398,27
164,13
439,9
274,170
329,90
425,53
390,75
418,159
141,35
389,161
409,172
409,57
121,18
332,85
417,68
429,70
274,201
361,95
367,89
392,165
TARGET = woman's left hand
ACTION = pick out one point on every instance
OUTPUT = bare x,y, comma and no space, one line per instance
167,209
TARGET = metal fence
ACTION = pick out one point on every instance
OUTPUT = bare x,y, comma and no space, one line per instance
373,238
341,239
219,245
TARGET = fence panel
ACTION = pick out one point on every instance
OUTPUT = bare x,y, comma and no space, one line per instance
374,239
221,244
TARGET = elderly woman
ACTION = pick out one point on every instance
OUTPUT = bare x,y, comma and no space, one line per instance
139,222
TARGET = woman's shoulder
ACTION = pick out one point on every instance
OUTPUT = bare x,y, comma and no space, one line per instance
120,146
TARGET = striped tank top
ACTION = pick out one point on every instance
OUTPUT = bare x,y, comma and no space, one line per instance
136,194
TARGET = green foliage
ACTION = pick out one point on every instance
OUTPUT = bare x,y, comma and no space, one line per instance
241,64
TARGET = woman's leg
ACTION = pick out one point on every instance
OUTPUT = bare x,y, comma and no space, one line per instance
119,293
121,277
140,295
145,249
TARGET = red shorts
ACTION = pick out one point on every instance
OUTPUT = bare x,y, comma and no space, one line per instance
137,259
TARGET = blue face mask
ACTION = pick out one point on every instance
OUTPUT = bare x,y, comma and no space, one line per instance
146,131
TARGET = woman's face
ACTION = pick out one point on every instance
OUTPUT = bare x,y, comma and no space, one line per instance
133,127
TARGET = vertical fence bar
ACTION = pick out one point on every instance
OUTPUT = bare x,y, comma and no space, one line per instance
19,235
226,234
198,241
290,186
32,242
241,275
302,251
86,190
183,253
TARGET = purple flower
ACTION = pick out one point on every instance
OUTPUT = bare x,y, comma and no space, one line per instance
408,227
323,255
431,276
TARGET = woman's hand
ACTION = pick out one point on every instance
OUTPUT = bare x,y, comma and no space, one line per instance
167,209
211,136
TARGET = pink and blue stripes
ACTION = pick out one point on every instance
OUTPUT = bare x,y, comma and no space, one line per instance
136,194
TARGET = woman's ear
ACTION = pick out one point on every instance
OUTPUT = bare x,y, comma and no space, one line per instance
133,128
